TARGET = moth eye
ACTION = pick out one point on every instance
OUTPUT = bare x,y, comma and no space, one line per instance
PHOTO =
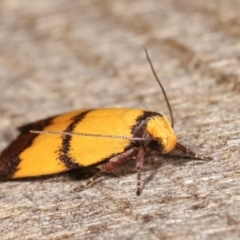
154,145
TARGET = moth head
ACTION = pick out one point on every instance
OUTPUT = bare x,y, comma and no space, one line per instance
164,138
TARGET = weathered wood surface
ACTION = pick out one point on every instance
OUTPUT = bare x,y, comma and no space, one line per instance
56,56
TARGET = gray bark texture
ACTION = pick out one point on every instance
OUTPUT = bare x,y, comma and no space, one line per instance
59,56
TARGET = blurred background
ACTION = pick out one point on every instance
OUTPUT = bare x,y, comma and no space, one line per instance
57,56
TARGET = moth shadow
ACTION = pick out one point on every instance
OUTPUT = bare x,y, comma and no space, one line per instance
152,164
155,161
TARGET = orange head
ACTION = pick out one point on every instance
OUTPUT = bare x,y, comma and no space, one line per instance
161,131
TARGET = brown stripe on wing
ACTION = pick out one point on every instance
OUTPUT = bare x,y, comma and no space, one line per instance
9,158
64,155
138,130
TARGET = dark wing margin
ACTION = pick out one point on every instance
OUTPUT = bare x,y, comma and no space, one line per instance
9,158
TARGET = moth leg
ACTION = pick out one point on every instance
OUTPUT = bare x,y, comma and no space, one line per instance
89,183
139,167
192,154
110,166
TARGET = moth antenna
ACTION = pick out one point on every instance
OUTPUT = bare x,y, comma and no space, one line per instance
88,135
161,86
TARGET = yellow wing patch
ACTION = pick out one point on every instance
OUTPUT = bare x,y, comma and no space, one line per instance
91,150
